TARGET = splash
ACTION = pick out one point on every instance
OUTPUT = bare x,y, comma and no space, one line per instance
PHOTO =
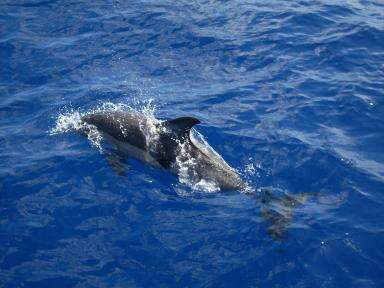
251,174
69,120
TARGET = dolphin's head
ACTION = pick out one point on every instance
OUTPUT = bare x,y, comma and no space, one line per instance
100,120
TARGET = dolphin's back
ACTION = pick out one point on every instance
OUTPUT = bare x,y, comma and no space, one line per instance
123,126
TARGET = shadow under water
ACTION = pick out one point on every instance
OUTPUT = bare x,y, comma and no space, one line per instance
278,207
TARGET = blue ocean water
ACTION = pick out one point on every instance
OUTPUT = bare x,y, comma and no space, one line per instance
290,93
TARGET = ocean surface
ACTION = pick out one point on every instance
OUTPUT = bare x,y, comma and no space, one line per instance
289,93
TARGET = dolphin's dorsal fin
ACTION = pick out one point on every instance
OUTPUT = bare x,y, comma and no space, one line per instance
181,126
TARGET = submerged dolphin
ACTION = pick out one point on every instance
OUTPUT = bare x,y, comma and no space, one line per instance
168,144
279,210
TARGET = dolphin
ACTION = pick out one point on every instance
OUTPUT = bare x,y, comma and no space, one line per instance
165,144
171,145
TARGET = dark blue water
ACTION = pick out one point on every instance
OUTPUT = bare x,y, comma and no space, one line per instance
290,93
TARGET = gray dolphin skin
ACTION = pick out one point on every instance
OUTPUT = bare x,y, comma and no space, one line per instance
171,145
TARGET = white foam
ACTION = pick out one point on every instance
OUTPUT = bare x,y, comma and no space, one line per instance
250,174
206,186
70,120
